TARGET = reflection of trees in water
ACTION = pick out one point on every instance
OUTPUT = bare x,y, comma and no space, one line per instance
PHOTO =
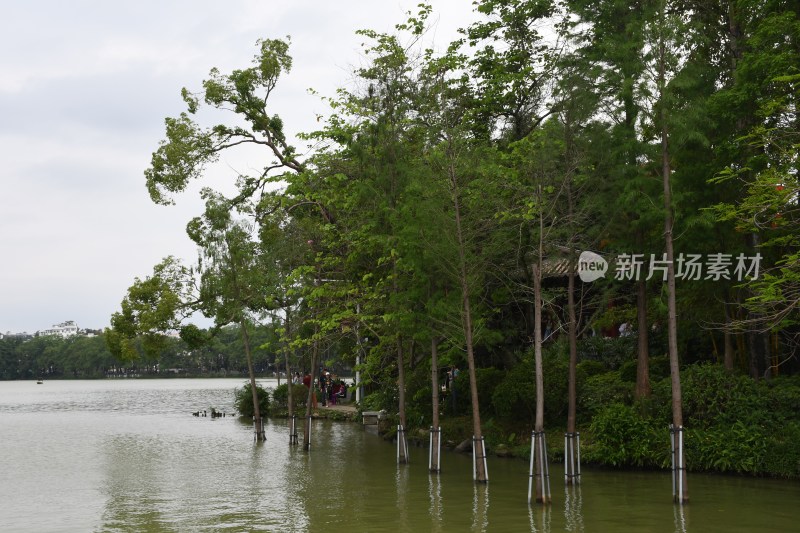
539,518
680,518
163,482
480,507
573,512
436,509
401,482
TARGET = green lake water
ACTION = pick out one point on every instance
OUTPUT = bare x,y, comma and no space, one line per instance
127,455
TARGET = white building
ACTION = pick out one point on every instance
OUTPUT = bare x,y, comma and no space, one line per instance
63,330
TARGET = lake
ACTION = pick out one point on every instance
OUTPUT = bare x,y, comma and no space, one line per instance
127,455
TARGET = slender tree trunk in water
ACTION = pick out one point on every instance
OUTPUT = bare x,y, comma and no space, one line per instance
571,467
401,399
571,453
435,436
402,455
309,400
258,422
541,496
289,380
682,495
478,449
729,348
643,361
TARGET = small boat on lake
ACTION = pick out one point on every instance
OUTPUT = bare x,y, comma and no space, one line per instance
39,381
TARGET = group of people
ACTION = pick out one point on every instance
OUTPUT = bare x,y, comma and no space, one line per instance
331,387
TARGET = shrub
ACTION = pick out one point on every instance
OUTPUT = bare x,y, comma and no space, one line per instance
712,395
243,400
280,396
608,351
627,371
515,396
601,390
591,368
736,448
621,436
382,399
659,367
486,381
783,451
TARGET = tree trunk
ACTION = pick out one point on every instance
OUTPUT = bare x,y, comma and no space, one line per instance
289,382
402,456
434,462
309,401
478,449
537,356
643,360
682,495
258,421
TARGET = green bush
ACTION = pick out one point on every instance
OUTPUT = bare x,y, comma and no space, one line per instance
280,396
486,381
659,367
601,390
712,395
555,367
736,448
621,436
382,399
515,397
243,400
612,353
591,368
783,451
627,371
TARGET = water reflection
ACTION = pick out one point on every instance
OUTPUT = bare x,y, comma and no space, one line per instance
539,518
435,508
679,516
480,507
573,513
295,512
130,457
401,484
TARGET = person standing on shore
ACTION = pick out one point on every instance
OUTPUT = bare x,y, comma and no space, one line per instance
307,381
323,386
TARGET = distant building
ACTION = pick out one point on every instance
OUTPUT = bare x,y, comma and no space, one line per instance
63,330
8,335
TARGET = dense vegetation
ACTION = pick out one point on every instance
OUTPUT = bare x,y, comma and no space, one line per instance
89,357
437,218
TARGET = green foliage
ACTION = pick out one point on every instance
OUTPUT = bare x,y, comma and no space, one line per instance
738,448
622,437
383,399
591,367
659,367
601,390
782,457
487,381
611,352
243,400
515,396
280,396
711,396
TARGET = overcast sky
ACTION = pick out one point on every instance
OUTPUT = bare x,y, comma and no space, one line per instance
84,90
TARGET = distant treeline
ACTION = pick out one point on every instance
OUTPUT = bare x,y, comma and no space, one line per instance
89,357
